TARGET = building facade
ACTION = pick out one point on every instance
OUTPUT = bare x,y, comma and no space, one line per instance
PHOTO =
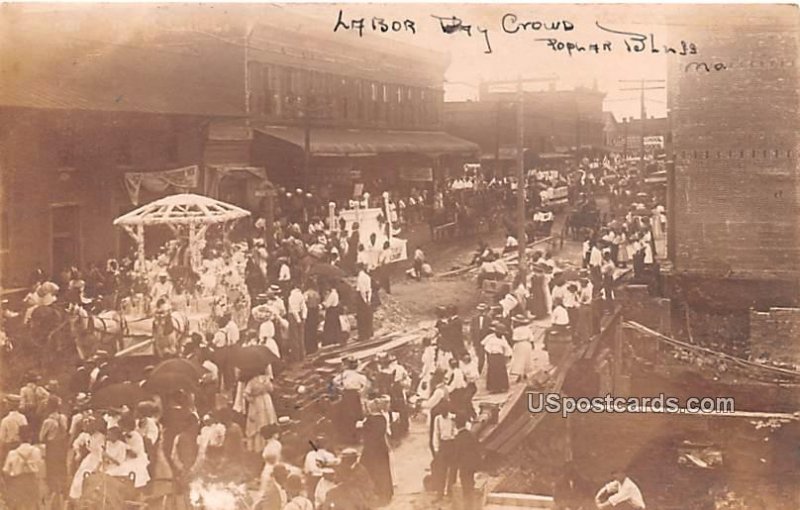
90,129
556,121
734,112
94,124
328,112
625,136
733,211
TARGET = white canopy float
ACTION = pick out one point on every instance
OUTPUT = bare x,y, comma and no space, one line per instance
184,212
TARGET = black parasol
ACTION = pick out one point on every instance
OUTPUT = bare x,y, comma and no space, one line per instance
119,394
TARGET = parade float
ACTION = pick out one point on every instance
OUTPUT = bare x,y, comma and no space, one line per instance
189,217
368,221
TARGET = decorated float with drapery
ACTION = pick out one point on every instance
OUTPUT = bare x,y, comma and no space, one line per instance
188,216
375,226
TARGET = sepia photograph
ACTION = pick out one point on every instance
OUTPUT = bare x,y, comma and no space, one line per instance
399,256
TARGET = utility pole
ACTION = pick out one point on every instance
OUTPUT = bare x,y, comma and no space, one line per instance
522,187
521,178
625,141
643,113
496,139
306,146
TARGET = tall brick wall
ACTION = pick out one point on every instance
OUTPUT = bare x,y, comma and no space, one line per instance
775,335
736,142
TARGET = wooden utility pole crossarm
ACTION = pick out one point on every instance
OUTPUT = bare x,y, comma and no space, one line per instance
520,153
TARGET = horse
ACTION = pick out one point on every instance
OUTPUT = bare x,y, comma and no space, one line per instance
93,330
170,329
48,325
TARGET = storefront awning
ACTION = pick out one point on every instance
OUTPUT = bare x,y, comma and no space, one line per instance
358,142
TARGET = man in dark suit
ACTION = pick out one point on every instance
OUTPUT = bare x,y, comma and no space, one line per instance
456,331
467,460
478,329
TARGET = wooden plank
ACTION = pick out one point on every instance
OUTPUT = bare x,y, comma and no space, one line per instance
506,258
505,436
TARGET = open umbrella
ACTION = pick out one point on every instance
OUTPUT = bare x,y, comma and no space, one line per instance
167,382
126,368
254,358
178,366
325,270
119,394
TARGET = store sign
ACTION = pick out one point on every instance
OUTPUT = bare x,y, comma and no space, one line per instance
416,174
472,168
654,142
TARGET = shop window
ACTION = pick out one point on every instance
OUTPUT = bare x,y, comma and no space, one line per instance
268,94
65,229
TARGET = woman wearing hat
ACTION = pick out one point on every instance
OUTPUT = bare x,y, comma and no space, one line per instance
260,409
497,351
376,454
332,330
352,385
521,336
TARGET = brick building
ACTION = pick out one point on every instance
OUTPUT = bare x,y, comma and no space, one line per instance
625,136
735,148
99,116
556,121
733,202
81,117
366,112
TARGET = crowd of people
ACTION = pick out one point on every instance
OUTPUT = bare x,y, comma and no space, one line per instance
180,438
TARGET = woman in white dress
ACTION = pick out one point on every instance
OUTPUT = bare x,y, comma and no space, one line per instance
89,447
540,358
260,409
135,460
647,245
522,336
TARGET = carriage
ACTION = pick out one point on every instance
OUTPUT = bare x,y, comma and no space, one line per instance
580,220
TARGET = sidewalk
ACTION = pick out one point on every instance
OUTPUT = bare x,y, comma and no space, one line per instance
411,459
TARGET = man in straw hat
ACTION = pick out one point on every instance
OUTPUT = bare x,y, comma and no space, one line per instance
317,458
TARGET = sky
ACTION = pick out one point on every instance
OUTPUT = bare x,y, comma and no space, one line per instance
519,54
514,55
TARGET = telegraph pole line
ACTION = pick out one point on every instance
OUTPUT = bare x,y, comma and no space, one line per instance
642,112
521,180
520,144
